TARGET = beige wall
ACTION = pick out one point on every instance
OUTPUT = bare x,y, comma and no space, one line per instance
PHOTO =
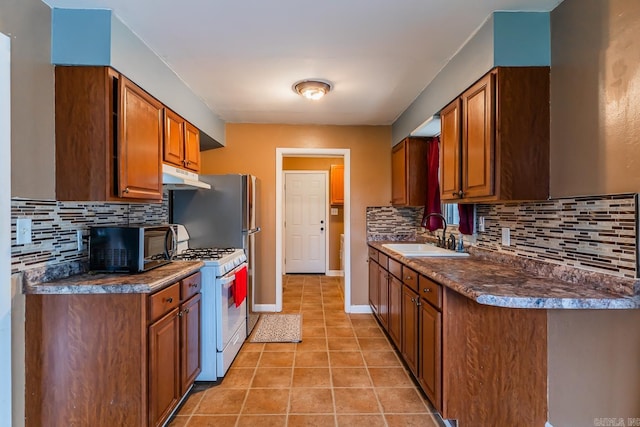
28,22
251,148
595,87
336,222
594,366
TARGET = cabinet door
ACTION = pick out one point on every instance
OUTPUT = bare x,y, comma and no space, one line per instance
383,295
478,138
173,147
395,311
450,151
164,367
190,345
337,184
192,147
399,174
139,144
374,286
430,353
410,340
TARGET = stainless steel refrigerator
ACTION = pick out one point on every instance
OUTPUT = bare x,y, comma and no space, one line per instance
223,217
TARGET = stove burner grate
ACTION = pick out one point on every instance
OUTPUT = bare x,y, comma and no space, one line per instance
204,253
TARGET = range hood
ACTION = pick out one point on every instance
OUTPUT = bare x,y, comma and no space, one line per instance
174,178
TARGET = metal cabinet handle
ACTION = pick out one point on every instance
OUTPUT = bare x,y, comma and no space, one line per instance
426,290
418,303
454,194
170,300
180,313
126,190
186,310
408,278
461,193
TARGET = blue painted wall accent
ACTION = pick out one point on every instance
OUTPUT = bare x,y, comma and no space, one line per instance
522,39
504,39
98,37
80,37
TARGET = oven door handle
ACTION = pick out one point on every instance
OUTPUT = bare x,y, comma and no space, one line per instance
227,281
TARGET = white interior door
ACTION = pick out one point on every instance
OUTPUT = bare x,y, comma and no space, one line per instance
305,222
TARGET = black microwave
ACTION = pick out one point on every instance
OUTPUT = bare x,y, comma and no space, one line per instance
130,249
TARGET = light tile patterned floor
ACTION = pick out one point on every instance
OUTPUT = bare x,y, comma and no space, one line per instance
343,373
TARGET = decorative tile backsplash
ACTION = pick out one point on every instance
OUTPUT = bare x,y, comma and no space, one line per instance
54,227
592,233
393,223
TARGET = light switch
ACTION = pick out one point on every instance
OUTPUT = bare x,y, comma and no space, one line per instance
334,211
481,223
23,231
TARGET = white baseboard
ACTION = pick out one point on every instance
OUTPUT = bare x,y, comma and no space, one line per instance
363,309
264,308
339,273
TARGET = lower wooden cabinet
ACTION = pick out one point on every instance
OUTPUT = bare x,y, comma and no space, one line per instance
374,286
410,327
174,348
164,367
429,372
112,359
479,365
383,308
190,345
395,310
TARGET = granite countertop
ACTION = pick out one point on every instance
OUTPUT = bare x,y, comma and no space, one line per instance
500,284
117,283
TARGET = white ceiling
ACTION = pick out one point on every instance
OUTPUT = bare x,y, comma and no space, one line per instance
242,56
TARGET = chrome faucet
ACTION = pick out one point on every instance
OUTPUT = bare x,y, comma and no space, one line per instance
442,242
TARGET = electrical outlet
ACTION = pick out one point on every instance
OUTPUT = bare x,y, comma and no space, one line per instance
481,223
79,240
334,211
23,231
506,236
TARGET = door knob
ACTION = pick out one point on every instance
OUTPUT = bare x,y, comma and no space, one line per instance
321,228
321,221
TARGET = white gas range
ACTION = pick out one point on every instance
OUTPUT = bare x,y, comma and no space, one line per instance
224,306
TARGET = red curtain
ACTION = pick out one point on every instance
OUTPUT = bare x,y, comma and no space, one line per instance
466,219
432,204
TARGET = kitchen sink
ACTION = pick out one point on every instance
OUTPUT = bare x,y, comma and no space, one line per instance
421,249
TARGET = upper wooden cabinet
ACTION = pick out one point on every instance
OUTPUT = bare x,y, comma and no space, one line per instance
409,172
181,142
336,178
494,144
108,137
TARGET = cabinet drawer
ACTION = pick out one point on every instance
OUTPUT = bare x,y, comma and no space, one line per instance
395,268
410,278
431,291
190,286
163,301
383,260
373,254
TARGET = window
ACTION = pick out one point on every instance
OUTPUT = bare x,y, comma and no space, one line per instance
450,212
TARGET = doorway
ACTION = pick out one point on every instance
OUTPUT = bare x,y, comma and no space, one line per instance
306,232
344,154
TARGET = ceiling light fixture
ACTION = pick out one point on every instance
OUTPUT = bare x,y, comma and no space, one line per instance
312,89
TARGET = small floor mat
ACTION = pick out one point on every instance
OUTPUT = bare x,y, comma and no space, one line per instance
278,328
